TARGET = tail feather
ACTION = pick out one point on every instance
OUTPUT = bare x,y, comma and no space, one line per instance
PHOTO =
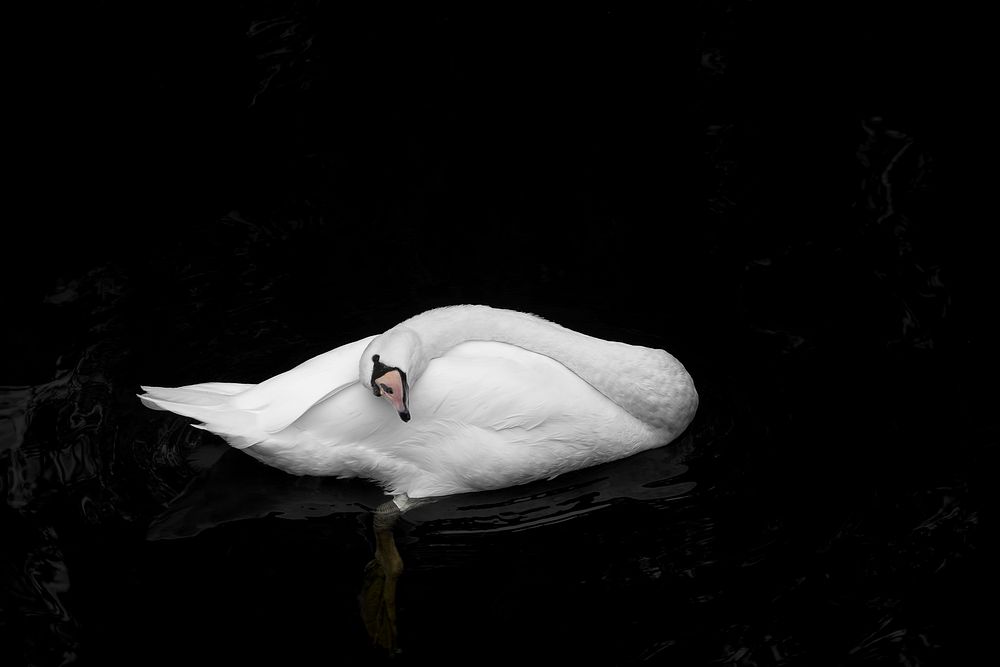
192,395
209,403
227,388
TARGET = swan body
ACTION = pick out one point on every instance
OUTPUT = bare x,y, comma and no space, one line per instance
493,398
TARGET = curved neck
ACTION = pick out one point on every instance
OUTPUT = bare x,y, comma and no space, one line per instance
631,376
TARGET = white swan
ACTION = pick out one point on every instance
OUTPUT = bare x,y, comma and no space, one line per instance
497,398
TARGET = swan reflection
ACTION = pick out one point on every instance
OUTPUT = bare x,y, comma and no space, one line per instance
378,592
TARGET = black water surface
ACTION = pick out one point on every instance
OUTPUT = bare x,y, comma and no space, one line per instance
219,193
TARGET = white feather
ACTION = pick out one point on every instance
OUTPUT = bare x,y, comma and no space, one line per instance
485,414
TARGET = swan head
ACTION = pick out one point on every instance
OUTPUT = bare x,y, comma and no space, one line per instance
390,383
389,364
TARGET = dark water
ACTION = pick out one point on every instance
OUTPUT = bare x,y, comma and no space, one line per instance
221,194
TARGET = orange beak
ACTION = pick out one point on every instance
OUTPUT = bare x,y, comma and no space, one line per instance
393,388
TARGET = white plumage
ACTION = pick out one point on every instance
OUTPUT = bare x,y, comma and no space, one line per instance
497,398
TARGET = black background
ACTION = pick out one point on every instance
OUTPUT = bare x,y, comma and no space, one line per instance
778,196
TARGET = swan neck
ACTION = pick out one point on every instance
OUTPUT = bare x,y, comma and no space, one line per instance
615,369
445,328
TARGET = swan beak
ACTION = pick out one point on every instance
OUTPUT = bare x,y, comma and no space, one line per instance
393,388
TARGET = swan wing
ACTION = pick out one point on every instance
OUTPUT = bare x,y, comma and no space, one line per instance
246,414
485,415
481,385
280,400
497,386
